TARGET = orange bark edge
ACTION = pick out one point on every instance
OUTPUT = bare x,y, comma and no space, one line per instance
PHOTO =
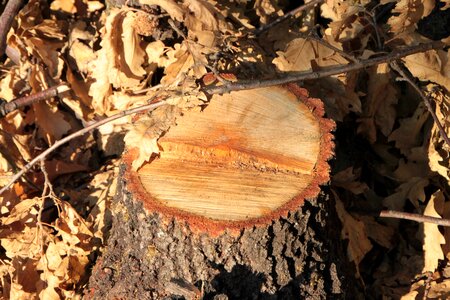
200,224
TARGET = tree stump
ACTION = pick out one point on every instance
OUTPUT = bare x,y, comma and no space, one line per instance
218,215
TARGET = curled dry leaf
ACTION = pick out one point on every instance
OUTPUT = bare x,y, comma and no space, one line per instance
119,62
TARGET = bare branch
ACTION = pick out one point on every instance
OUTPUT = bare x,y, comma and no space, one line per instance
7,107
81,132
6,19
324,72
414,217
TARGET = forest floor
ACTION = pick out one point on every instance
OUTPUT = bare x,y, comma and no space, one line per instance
392,152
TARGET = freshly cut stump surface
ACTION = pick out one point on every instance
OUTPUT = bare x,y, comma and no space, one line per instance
247,158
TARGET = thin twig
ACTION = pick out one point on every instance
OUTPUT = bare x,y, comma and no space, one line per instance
408,79
81,132
11,9
414,217
287,15
7,107
324,72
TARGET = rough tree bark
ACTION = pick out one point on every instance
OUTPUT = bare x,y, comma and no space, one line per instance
221,213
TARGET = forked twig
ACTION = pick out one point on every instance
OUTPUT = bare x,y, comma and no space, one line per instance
64,140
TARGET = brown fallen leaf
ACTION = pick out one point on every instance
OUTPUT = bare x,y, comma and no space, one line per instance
433,238
354,231
432,65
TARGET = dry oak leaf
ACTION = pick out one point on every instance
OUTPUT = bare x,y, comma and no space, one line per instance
413,190
407,14
446,6
414,165
439,290
73,230
433,238
338,94
51,284
23,276
355,232
345,25
412,295
267,10
409,134
204,21
70,6
432,65
78,100
42,38
51,121
234,11
22,212
145,133
22,243
183,61
302,55
379,233
379,110
349,180
171,7
81,43
101,190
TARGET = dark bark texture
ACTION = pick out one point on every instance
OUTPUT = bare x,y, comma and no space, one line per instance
296,257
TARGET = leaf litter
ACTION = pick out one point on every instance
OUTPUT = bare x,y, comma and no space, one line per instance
114,57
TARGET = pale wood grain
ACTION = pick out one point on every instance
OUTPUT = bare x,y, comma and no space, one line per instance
246,154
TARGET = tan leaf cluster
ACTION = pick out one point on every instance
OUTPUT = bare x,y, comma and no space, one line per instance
44,258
